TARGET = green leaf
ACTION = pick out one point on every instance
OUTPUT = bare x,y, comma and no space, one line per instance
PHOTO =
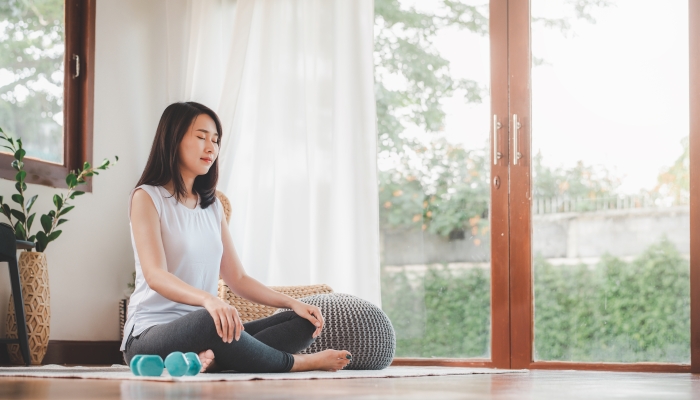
20,176
19,154
46,221
30,203
29,222
6,210
19,143
65,210
60,221
19,231
19,215
86,165
94,173
57,201
91,173
32,238
54,235
17,165
104,164
8,148
71,180
52,214
116,158
18,198
76,193
41,241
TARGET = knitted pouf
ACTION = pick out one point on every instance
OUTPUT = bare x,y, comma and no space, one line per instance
355,325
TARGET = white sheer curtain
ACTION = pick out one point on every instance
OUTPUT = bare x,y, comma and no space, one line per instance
292,82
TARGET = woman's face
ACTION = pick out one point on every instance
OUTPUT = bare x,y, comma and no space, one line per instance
199,147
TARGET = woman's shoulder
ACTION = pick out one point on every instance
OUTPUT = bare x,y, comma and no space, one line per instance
145,196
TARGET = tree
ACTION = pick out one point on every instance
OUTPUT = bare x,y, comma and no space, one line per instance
674,182
429,182
581,181
31,74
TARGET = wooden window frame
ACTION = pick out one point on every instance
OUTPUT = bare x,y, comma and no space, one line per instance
512,330
78,95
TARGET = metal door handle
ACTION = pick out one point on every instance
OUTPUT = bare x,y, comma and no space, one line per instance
76,58
516,127
496,154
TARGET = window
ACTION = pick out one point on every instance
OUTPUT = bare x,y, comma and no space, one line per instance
46,85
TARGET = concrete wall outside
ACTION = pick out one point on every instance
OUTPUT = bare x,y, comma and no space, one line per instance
620,233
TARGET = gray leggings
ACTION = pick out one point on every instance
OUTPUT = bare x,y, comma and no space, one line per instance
266,345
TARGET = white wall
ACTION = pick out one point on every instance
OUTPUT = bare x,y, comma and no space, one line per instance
91,263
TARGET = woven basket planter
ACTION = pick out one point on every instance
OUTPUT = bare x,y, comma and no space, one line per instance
34,278
249,311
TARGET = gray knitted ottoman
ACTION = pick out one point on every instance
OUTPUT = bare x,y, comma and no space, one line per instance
355,325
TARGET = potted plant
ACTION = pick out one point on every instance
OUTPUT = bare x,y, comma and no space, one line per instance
32,264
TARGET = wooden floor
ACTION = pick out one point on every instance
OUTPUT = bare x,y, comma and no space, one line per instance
532,385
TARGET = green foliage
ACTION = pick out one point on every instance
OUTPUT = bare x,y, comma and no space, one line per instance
615,311
674,182
448,191
444,314
32,51
581,181
49,221
430,183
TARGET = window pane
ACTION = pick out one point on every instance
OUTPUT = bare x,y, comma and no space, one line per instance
610,210
432,72
31,75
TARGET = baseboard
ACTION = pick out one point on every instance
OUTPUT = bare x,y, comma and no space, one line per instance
77,352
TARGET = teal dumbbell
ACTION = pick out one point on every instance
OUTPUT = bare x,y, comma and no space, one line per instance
177,364
194,364
146,365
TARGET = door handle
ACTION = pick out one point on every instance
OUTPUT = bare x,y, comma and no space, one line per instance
516,128
496,154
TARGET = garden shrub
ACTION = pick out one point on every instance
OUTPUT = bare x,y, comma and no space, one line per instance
614,311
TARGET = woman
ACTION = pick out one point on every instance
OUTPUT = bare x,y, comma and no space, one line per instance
182,244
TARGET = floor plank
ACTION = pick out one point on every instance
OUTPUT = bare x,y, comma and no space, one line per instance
532,385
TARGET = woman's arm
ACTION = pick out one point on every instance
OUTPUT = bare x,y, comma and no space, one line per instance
145,225
234,276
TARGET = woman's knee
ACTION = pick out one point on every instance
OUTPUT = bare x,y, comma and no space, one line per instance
307,326
204,323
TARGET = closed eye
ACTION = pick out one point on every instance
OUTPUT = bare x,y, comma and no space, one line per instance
204,138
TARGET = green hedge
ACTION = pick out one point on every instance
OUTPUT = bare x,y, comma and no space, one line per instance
614,311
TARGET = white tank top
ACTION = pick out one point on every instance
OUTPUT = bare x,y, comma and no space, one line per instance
193,251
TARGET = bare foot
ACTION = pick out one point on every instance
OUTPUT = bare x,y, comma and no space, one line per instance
207,359
327,360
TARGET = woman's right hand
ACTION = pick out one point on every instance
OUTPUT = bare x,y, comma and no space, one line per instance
228,323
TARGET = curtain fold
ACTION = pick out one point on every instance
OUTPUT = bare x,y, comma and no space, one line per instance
292,81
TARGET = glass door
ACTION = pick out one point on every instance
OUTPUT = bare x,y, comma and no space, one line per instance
610,182
600,192
433,76
535,192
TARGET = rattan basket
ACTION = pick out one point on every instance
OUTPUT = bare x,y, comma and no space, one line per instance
250,311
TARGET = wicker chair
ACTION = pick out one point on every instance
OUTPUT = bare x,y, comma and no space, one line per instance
249,310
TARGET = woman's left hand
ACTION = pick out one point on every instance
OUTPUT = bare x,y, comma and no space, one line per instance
311,313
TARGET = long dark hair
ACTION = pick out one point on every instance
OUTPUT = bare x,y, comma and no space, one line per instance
163,162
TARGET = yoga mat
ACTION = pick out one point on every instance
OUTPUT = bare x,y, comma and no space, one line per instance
121,372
